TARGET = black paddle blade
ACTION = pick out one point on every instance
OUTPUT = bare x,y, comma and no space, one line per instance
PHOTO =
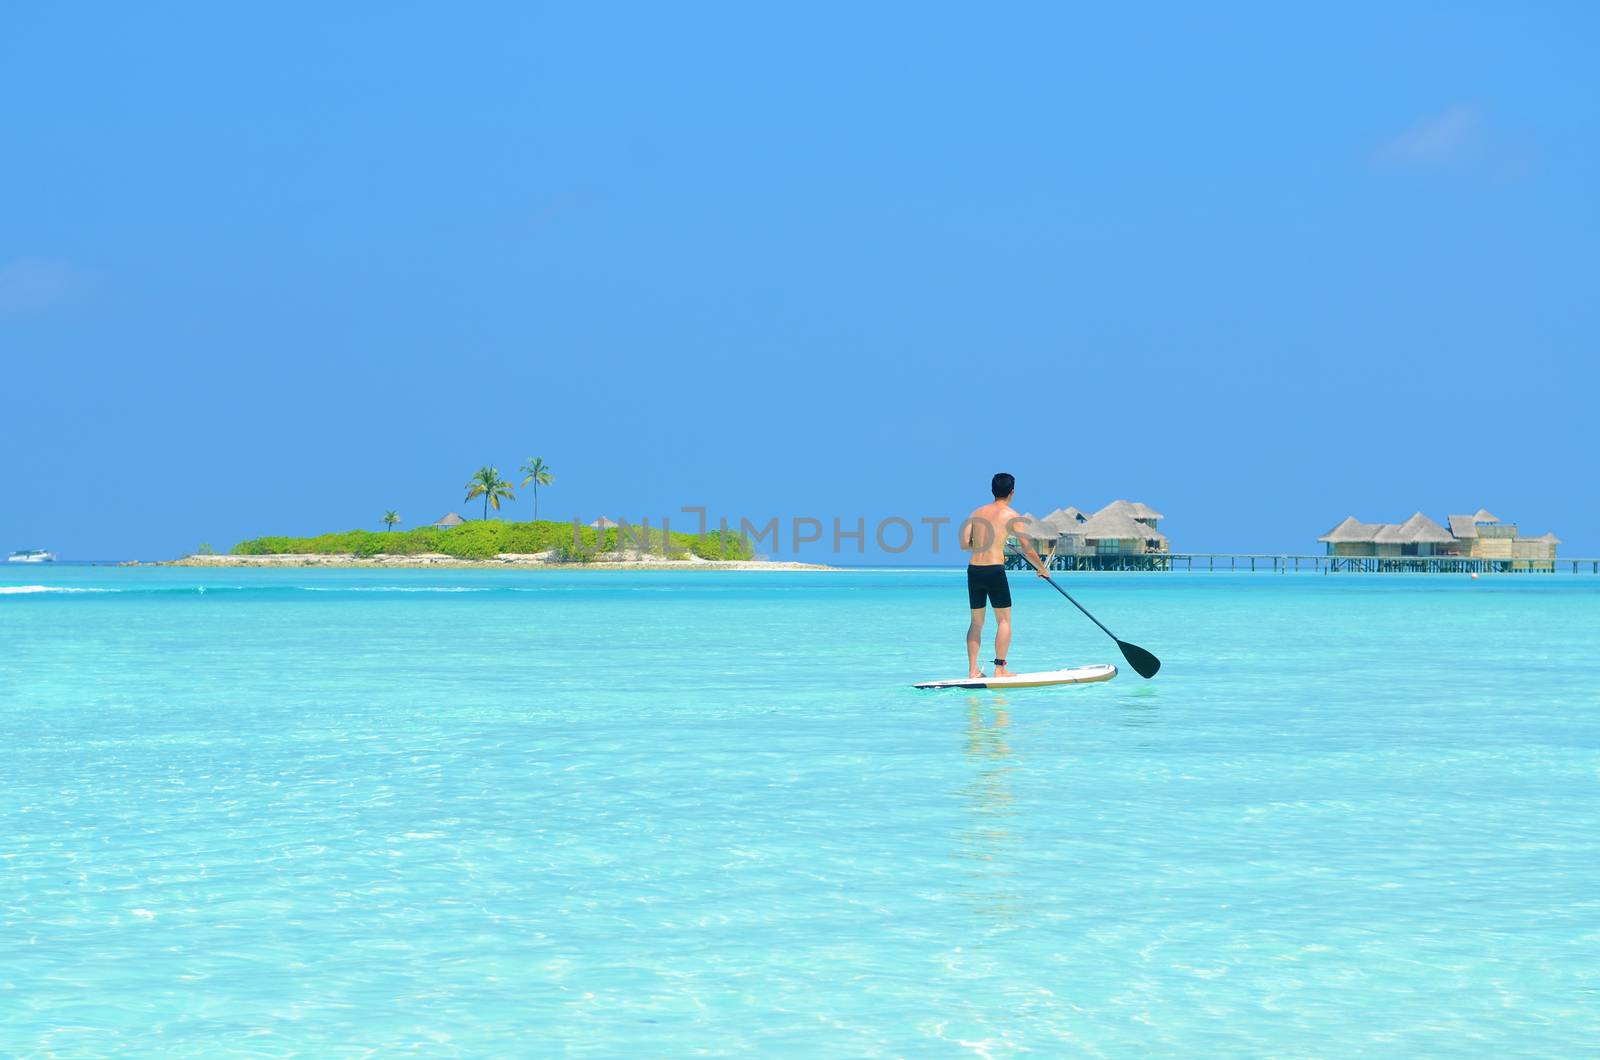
1142,661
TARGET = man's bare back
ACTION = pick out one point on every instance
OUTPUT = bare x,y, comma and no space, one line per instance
985,531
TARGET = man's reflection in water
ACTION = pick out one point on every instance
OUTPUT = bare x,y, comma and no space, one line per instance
986,846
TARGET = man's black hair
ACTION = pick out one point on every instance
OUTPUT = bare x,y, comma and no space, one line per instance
1003,485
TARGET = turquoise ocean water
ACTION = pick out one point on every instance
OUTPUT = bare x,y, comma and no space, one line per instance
640,814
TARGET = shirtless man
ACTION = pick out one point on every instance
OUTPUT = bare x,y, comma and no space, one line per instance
984,535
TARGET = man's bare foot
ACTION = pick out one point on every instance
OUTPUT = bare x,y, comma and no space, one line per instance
1001,671
976,673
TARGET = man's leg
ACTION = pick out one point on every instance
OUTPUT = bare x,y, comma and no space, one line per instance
974,642
1002,638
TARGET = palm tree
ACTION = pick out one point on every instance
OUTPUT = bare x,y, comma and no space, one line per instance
488,483
538,473
390,518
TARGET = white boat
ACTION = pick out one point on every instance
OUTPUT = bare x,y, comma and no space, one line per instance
31,555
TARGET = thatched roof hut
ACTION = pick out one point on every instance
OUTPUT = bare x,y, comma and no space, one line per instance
1420,530
1118,526
1417,530
603,523
1352,531
1481,535
452,519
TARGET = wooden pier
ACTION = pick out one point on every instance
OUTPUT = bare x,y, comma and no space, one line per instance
1284,564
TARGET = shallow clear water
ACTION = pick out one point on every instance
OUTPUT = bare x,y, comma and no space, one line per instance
701,813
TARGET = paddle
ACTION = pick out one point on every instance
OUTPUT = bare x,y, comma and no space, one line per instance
1142,661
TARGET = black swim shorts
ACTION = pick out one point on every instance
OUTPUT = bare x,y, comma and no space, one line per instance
988,581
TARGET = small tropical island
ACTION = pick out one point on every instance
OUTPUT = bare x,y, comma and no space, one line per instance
453,541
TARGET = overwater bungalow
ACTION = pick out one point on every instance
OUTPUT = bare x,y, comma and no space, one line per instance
1117,531
1417,536
1483,536
1480,536
1120,536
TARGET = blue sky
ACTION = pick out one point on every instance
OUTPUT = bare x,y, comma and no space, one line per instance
280,270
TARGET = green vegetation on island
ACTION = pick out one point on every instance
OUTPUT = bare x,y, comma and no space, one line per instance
488,538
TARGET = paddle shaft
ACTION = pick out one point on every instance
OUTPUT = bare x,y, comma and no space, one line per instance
1079,606
1085,610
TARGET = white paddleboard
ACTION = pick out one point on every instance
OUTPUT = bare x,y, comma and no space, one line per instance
1077,675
